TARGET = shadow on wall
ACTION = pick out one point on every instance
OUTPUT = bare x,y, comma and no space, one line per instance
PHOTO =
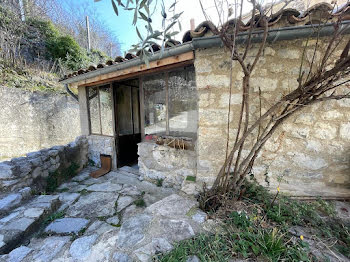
30,121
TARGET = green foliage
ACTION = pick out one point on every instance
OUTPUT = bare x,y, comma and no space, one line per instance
56,178
68,50
191,178
54,216
47,29
264,235
287,211
159,182
140,202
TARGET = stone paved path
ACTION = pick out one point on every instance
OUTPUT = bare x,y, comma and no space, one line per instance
105,220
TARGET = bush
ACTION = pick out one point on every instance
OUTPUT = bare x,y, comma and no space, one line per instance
46,28
67,49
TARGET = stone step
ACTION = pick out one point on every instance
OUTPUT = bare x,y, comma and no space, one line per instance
10,201
130,170
17,227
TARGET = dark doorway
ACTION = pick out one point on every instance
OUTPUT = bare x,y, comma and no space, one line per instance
127,108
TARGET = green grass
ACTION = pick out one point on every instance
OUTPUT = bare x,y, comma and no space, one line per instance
262,233
191,178
58,177
159,182
140,202
53,217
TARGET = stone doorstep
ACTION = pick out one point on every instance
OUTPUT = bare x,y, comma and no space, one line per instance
28,218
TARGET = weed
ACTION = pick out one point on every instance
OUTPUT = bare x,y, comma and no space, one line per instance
102,218
56,178
264,235
84,192
140,202
53,217
191,178
159,182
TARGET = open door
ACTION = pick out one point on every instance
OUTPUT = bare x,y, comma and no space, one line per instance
127,108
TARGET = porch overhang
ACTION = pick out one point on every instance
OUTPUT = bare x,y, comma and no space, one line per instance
133,68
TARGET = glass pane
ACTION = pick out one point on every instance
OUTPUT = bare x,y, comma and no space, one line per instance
106,110
124,110
94,110
155,106
183,113
136,110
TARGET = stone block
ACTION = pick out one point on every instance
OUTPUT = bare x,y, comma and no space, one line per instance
50,247
36,172
345,131
6,171
10,201
25,168
52,161
325,131
265,84
67,225
81,247
25,192
236,99
308,162
34,154
332,115
289,53
132,231
36,161
19,254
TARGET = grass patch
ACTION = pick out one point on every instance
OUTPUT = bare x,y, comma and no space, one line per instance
58,177
53,217
260,232
159,182
84,192
140,202
191,178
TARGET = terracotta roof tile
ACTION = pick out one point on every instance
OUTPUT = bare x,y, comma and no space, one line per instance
284,18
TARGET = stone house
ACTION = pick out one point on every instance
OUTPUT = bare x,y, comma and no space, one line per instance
171,116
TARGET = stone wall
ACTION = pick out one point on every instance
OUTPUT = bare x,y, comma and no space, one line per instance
166,163
33,169
30,121
101,145
311,150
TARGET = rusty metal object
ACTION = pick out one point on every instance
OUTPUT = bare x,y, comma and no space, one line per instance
106,166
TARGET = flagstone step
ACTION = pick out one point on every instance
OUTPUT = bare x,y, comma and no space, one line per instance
16,227
10,201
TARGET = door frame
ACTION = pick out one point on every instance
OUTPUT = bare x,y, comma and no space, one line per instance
114,86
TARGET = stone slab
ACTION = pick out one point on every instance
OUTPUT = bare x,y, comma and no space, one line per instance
18,254
171,206
81,247
67,225
95,204
123,202
49,248
105,187
9,202
132,231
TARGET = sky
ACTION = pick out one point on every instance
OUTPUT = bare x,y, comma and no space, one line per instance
121,26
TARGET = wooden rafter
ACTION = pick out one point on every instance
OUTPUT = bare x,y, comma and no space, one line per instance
154,67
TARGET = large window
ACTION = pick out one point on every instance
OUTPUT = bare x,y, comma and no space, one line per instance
100,110
170,101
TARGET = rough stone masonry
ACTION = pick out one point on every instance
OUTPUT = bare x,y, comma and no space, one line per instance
311,150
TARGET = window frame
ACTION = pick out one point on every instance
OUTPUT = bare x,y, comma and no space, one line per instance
165,76
99,108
